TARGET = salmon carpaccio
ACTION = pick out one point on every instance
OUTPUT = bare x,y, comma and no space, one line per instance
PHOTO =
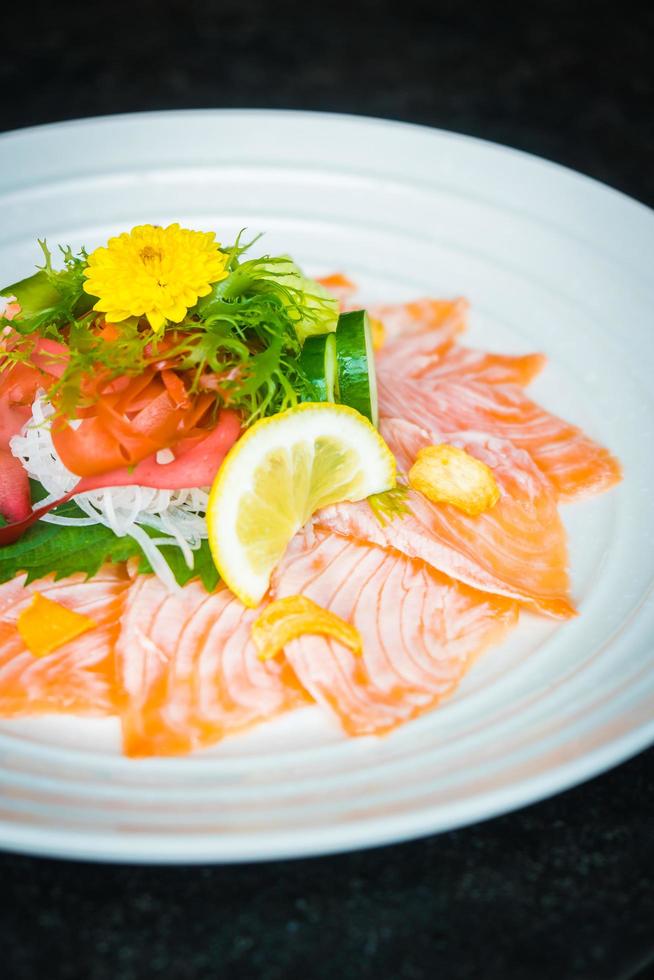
517,549
477,365
575,464
79,677
427,378
190,671
441,320
428,590
420,630
424,358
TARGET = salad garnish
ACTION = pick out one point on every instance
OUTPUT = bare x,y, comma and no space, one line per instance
131,371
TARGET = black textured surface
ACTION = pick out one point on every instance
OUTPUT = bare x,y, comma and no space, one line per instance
563,889
560,890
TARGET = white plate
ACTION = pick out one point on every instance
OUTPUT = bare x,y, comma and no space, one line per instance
551,261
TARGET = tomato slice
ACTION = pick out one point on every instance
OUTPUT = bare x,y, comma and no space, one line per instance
127,425
122,422
196,462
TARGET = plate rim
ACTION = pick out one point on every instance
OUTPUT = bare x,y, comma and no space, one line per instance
318,114
156,848
371,831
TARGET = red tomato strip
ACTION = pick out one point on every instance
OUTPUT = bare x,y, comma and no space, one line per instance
125,427
195,465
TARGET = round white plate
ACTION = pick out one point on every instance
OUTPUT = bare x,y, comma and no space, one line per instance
551,261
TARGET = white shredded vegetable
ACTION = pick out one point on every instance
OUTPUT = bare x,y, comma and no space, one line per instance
177,514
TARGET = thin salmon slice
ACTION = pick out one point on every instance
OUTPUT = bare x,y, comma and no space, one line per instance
466,363
420,630
79,677
190,671
417,354
421,334
575,464
444,319
423,345
516,549
433,357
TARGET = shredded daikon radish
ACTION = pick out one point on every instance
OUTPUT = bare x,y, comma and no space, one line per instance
177,514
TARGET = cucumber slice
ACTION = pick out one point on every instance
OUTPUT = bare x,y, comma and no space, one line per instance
331,369
318,360
356,364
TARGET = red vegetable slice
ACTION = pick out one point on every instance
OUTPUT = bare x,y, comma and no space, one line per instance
126,426
176,389
195,465
12,532
15,503
50,357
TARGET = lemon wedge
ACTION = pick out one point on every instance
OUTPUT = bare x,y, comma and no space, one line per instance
284,469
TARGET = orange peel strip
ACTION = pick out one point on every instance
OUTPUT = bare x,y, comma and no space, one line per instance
286,619
45,625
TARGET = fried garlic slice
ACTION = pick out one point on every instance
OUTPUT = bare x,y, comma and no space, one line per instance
448,475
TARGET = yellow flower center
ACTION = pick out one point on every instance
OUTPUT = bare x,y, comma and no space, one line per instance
148,253
155,272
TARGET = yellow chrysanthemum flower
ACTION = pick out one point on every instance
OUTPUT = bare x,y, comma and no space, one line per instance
155,272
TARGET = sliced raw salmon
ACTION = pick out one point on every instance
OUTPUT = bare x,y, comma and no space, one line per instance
466,363
417,354
433,357
575,463
77,678
443,317
190,670
516,549
419,340
420,630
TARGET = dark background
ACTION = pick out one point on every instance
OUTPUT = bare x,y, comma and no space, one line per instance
563,889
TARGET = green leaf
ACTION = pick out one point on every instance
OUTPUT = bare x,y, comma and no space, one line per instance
34,294
47,548
309,307
63,549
